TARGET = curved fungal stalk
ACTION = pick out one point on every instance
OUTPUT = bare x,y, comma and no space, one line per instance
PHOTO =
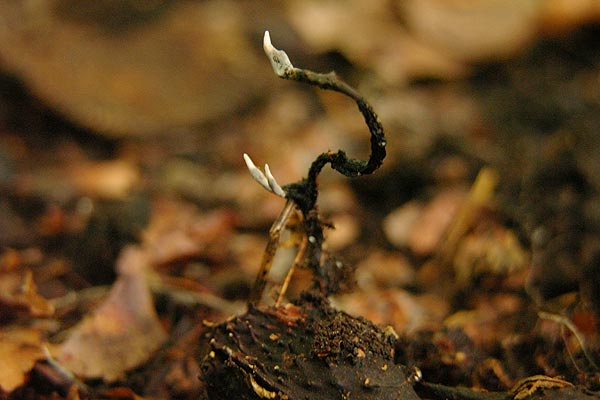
303,194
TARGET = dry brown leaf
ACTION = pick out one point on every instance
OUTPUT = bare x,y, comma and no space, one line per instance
110,179
178,231
18,295
474,30
130,69
123,332
399,308
344,233
384,269
19,350
79,176
368,34
398,224
121,393
489,250
494,317
428,230
561,15
10,260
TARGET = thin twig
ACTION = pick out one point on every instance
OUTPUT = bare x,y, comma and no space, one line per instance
178,290
271,249
304,193
63,371
566,322
288,277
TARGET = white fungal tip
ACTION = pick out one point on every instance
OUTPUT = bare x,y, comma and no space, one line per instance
249,162
256,173
267,46
266,181
273,183
279,59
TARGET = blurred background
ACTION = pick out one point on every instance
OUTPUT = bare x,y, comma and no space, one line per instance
125,122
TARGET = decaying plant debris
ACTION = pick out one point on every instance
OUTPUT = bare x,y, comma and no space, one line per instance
477,240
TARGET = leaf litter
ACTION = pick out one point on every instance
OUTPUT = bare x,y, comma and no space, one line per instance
468,320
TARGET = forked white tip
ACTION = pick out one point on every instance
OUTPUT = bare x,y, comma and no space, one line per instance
279,59
256,173
266,181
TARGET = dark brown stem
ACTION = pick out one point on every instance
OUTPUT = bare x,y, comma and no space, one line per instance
304,193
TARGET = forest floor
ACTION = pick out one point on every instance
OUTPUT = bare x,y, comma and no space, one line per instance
130,226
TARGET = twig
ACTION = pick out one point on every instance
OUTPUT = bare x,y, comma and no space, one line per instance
288,277
304,193
62,371
565,322
267,260
182,293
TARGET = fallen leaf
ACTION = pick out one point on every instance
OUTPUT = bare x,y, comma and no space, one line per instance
152,74
474,30
490,250
123,332
177,232
344,233
437,216
18,295
350,28
396,307
385,269
20,348
121,393
562,15
110,179
398,224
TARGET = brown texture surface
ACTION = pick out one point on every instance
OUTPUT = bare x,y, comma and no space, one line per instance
303,351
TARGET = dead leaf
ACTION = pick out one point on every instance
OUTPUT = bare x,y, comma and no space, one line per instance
121,393
109,179
385,269
473,30
350,27
491,249
398,224
344,233
437,216
494,316
18,295
10,260
396,307
177,232
19,350
123,332
154,73
562,15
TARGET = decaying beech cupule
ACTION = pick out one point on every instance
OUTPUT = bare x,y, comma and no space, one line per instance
305,350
